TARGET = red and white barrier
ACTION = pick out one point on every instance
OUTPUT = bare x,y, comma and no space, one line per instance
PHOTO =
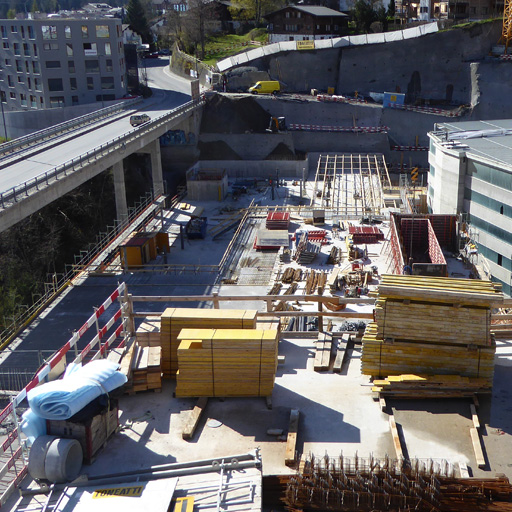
427,110
349,129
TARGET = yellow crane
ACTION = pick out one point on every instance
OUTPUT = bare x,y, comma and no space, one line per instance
506,34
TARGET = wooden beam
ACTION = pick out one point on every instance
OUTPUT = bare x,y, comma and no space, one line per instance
474,416
291,443
341,352
396,437
463,468
477,447
194,417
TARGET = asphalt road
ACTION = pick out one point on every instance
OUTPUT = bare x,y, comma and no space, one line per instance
170,92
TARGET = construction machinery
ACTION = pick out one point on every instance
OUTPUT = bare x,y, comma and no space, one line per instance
277,124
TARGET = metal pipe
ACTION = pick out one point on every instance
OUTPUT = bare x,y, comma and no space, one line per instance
162,474
180,465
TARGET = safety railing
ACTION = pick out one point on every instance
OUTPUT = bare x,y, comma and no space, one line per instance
7,148
17,193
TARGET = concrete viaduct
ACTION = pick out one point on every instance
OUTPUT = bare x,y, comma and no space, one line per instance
26,198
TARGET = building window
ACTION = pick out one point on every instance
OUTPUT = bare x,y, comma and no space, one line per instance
20,79
90,50
52,64
327,28
72,84
14,29
501,210
35,50
92,66
31,32
107,82
56,101
318,27
50,46
55,84
299,15
12,95
5,45
108,65
27,67
69,49
108,49
33,101
19,66
74,100
7,62
485,10
35,67
10,81
3,97
49,32
67,31
29,82
23,100
37,84
500,260
4,31
26,50
102,32
71,66
16,47
287,14
22,32
90,83
85,32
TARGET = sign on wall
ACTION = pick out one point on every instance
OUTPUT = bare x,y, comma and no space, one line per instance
305,45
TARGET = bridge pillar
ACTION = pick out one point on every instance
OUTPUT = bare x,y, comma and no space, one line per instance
156,167
120,191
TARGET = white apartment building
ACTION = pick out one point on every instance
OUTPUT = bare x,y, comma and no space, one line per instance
59,62
471,174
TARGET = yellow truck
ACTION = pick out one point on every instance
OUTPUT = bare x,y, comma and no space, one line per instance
265,87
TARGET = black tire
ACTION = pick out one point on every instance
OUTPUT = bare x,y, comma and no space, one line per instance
254,92
275,93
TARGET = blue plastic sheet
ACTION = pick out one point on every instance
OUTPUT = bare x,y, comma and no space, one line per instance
61,399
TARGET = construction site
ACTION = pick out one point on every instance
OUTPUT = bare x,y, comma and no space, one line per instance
274,344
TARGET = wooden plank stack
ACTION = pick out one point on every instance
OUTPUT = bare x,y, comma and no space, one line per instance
429,386
146,369
173,320
432,326
323,352
226,362
148,333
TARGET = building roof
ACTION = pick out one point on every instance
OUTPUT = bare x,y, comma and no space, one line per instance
490,140
314,10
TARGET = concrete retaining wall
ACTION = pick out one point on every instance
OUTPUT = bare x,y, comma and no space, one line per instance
257,168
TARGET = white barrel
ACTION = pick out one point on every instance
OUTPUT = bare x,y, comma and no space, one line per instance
63,460
37,456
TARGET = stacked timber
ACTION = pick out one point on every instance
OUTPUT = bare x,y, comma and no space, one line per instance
148,333
278,220
432,326
226,362
428,386
146,370
173,320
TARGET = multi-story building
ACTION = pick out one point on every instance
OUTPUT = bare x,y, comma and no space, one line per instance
471,174
59,62
305,22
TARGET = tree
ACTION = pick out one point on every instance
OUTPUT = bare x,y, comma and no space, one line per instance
11,14
196,25
391,9
253,9
35,7
136,18
364,15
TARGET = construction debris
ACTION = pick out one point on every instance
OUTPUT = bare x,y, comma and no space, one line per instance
306,251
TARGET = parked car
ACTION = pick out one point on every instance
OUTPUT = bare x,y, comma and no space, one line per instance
152,55
164,51
138,119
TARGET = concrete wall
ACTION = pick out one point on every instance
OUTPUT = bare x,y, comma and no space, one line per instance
257,168
21,123
253,146
434,66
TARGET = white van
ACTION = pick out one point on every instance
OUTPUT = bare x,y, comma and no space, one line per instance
138,119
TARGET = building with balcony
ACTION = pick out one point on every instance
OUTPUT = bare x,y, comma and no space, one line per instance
471,175
59,62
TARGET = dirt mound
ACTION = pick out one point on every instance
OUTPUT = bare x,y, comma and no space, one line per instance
233,115
217,150
281,152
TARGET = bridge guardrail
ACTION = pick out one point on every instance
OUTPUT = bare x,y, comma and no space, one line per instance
14,194
7,148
